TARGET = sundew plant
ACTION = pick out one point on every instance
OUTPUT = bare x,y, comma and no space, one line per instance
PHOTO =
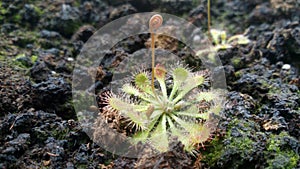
219,37
157,116
170,103
219,40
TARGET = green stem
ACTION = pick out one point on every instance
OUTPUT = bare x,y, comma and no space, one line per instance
208,19
174,90
153,59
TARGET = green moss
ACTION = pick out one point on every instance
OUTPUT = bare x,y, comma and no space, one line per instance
108,161
284,160
48,44
19,61
71,28
77,4
236,62
243,144
24,37
34,58
238,74
60,133
19,56
279,154
82,166
17,18
38,11
237,149
3,11
2,58
213,153
22,61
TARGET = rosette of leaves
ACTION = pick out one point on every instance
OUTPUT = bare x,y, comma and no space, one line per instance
181,111
221,42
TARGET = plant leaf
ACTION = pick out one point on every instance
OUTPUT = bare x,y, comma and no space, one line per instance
143,135
131,90
180,74
119,104
207,96
193,112
174,130
156,113
216,109
241,39
218,36
223,46
190,84
160,75
199,134
139,136
182,123
159,137
143,83
160,72
128,110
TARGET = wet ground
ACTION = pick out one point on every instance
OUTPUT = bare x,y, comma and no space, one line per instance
40,40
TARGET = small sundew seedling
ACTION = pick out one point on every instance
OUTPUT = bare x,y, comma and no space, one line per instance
219,40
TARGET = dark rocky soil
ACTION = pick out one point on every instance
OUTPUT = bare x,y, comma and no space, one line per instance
260,123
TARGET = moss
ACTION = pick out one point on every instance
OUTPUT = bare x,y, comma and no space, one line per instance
236,62
71,28
20,61
82,166
17,18
237,149
3,12
279,153
19,56
48,44
61,134
33,58
195,2
213,152
108,161
77,3
38,11
284,160
243,143
67,27
298,111
24,37
238,74
2,58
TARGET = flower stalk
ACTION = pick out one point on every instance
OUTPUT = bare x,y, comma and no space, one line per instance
154,23
208,20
